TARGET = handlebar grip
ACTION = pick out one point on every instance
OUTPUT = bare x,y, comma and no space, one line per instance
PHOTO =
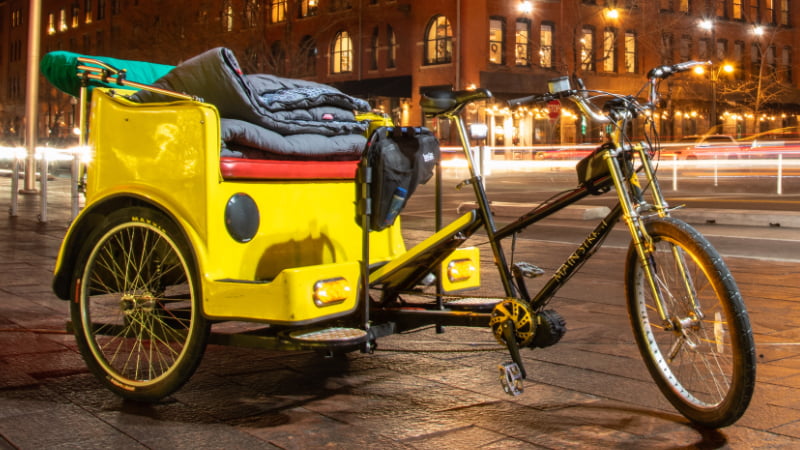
664,72
525,100
543,98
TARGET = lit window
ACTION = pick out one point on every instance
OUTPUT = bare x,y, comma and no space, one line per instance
769,12
587,49
610,50
87,10
51,24
308,8
630,52
496,41
783,14
227,17
62,20
522,43
277,11
438,41
546,46
342,53
737,10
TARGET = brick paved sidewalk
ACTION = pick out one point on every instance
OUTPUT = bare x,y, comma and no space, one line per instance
419,390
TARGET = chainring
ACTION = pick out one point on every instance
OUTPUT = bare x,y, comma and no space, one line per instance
520,315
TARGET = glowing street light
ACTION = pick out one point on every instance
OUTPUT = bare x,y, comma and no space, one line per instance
714,75
525,7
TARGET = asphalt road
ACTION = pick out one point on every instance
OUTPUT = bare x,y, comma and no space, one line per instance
697,186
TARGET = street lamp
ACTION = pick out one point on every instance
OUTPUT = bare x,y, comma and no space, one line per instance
714,75
525,7
710,26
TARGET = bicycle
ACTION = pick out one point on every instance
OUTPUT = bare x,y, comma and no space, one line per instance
161,252
687,314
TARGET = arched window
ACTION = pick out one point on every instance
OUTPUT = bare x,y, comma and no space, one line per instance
342,53
391,50
438,41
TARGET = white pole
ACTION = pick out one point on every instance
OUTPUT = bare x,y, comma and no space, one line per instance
43,188
716,180
674,172
32,92
780,173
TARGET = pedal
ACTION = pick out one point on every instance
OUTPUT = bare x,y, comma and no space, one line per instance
526,269
511,378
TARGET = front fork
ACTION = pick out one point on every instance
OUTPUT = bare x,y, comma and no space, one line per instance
631,198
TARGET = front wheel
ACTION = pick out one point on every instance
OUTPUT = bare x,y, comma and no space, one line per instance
702,356
136,311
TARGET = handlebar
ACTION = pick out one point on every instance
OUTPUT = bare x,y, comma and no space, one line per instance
654,76
664,72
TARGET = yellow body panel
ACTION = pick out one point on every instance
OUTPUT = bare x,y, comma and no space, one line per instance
168,155
159,152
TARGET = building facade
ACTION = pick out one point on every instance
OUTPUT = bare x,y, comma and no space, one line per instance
389,51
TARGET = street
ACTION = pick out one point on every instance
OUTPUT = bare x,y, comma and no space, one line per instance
736,189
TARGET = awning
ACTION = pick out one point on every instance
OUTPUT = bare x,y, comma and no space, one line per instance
508,84
377,87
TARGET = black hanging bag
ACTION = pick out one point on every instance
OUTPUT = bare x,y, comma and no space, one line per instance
397,160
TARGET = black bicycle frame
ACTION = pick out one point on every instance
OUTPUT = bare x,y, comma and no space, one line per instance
578,257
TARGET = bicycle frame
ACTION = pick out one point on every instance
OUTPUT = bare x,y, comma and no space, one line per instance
631,208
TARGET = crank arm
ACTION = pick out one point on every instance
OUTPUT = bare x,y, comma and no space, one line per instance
512,373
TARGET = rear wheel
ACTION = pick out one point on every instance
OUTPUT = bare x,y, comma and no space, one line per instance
136,311
703,357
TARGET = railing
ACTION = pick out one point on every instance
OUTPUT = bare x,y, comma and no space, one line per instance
50,161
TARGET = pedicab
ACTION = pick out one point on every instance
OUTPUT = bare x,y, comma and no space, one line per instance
182,234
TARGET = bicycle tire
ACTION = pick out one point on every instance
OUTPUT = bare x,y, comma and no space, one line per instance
706,365
136,312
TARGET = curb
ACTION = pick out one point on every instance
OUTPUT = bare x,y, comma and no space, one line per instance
739,217
742,217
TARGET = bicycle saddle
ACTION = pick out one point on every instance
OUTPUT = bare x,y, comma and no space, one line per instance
440,101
